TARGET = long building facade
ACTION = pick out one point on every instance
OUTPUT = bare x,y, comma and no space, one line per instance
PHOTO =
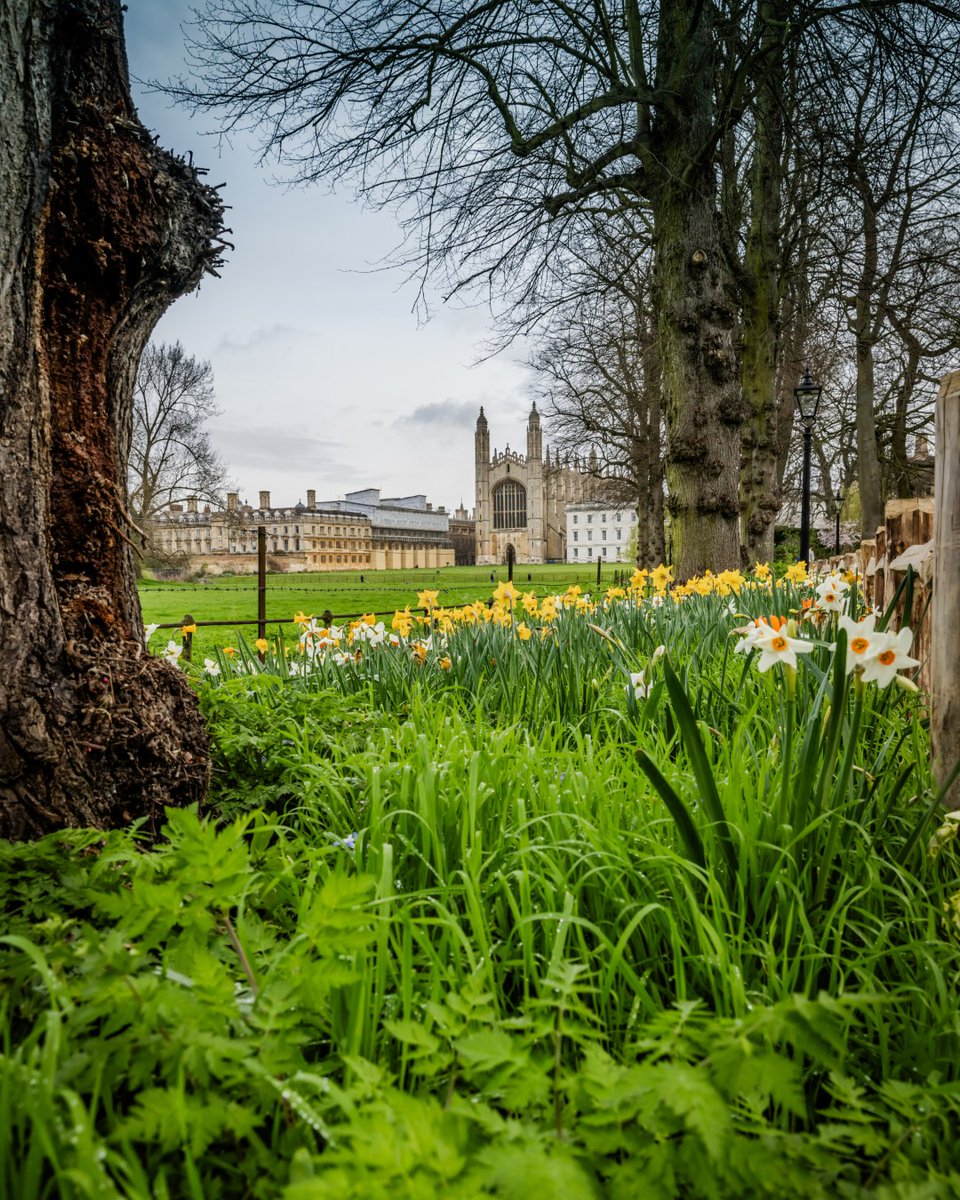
522,499
360,532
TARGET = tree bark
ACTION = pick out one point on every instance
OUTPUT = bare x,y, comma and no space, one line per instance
99,231
760,306
703,402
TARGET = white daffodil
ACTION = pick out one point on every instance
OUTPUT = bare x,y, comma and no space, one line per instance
862,640
888,656
776,646
149,631
211,667
641,689
831,594
172,652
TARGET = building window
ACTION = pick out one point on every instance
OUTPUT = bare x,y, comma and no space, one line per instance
619,535
576,554
589,520
510,505
574,518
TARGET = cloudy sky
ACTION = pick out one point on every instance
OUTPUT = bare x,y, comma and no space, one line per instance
324,374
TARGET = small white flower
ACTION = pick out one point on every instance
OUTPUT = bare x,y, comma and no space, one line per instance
641,689
172,652
149,631
887,656
210,667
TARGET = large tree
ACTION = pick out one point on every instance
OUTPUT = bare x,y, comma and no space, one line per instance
172,456
99,231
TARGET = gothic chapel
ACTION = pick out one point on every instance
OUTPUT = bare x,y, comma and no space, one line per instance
522,500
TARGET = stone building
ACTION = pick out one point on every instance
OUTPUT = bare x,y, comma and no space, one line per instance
599,529
463,534
522,499
360,532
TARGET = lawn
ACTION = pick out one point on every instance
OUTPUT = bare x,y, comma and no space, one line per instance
234,597
646,895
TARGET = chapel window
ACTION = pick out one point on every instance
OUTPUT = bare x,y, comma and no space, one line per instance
510,505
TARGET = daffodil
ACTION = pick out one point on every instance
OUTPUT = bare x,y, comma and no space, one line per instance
210,667
444,663
862,641
888,656
524,632
505,593
762,571
149,631
776,646
427,598
529,602
301,618
262,645
185,629
172,652
402,622
796,573
661,577
641,688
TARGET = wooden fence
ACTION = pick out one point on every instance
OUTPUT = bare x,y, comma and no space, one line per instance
925,534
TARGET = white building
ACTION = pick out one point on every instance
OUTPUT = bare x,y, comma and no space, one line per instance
597,530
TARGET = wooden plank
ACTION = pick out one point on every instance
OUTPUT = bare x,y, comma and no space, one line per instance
945,665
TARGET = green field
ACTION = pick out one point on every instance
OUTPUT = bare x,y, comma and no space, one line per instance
234,597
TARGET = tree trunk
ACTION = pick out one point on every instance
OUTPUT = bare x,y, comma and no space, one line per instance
760,308
702,398
99,232
868,460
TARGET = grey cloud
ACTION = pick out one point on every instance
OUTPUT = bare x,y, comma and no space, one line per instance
267,448
452,413
262,336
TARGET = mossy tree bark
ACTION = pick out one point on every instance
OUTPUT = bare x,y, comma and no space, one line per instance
99,231
703,402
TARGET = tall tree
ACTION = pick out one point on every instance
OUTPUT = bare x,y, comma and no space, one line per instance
474,112
171,453
598,365
99,231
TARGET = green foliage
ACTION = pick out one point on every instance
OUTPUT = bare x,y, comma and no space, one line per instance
507,929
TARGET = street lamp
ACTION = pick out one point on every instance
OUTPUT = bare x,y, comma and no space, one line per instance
839,499
807,394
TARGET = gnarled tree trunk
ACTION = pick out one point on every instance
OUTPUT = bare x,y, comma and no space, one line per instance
99,231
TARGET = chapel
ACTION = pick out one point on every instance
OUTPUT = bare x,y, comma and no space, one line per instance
522,499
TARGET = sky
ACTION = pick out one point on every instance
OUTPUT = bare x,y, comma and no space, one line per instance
326,376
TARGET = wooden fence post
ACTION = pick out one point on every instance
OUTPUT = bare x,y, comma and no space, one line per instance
945,673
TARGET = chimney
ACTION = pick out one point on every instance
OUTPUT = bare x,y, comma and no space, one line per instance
922,448
264,500
311,498
231,501
191,504
174,508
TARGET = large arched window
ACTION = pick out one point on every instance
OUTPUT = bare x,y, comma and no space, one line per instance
509,505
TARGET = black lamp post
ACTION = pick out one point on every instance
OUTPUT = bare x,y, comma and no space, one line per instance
839,499
807,394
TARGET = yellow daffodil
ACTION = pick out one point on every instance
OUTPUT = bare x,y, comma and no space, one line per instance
301,618
444,663
639,578
797,573
529,602
661,577
524,632
427,598
262,645
505,593
402,622
762,571
185,629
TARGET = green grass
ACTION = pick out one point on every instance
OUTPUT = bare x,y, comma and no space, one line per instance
234,597
504,929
